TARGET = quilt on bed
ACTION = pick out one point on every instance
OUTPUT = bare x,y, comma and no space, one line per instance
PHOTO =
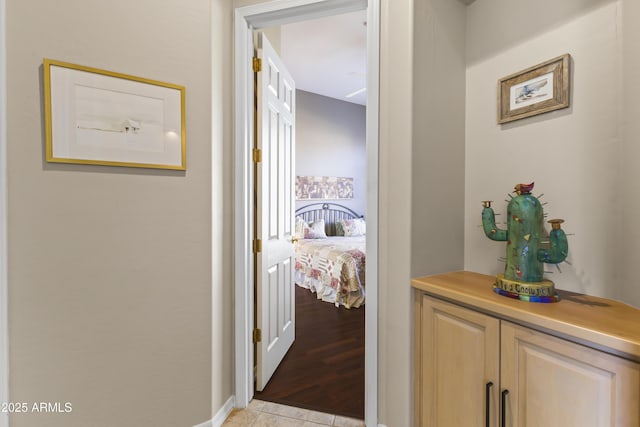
334,268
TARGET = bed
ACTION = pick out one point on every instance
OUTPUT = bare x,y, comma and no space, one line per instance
330,253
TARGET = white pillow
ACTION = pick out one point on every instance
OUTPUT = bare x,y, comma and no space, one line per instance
300,226
315,230
354,227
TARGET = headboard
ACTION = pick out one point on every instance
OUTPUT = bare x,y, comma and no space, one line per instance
330,212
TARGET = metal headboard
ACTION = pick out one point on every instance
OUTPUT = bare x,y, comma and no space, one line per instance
330,212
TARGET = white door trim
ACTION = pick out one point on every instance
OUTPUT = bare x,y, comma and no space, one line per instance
246,19
371,273
4,304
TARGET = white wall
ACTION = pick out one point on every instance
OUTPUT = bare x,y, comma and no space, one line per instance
394,216
221,175
575,155
627,252
421,173
330,141
110,279
438,141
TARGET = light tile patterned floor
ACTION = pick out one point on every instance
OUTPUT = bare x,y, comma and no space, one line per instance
267,414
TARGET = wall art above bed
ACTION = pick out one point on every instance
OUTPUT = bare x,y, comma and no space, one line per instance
323,187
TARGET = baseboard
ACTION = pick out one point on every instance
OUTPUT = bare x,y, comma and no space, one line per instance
222,414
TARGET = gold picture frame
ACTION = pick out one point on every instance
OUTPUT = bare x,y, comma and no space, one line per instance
100,117
536,90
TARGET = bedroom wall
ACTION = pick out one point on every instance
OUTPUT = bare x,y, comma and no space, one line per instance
581,158
110,268
330,141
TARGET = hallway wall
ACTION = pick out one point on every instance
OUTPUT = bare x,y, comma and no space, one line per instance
120,285
582,158
110,267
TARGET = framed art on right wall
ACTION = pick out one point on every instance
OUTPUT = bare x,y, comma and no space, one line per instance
536,90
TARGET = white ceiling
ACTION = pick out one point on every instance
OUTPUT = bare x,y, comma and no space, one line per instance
328,56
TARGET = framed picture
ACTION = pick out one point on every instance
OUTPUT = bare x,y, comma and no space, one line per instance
536,90
100,117
323,187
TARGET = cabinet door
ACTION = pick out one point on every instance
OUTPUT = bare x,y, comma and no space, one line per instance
556,383
459,351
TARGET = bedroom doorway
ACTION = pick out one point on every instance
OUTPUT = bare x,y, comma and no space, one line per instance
324,368
248,19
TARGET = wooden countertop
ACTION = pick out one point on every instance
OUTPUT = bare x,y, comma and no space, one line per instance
598,322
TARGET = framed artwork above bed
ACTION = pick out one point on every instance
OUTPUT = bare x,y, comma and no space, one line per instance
324,188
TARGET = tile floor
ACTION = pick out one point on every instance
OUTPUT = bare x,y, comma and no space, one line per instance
267,414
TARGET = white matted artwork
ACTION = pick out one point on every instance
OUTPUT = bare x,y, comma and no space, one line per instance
323,187
105,118
532,91
535,90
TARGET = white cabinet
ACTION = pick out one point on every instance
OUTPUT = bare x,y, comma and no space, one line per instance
476,367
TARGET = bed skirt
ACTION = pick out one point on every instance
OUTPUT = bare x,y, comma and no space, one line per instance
329,294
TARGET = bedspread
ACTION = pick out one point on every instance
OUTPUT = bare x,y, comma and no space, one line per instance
334,268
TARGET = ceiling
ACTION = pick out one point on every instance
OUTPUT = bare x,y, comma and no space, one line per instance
327,56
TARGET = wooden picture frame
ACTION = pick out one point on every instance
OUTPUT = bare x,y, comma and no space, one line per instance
100,117
536,90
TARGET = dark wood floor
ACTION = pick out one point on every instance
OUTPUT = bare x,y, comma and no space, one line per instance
324,369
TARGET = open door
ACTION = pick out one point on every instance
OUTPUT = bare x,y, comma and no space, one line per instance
275,155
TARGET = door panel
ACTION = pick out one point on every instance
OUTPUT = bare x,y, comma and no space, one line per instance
275,129
462,349
556,383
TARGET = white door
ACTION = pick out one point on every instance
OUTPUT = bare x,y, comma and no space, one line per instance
275,298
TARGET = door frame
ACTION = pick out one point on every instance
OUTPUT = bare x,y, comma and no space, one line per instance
247,19
4,264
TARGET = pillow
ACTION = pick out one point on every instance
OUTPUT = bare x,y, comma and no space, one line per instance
354,227
315,230
339,228
300,226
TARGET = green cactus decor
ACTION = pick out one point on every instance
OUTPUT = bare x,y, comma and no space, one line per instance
528,248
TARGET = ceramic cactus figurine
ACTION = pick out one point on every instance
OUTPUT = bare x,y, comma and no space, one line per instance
527,248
